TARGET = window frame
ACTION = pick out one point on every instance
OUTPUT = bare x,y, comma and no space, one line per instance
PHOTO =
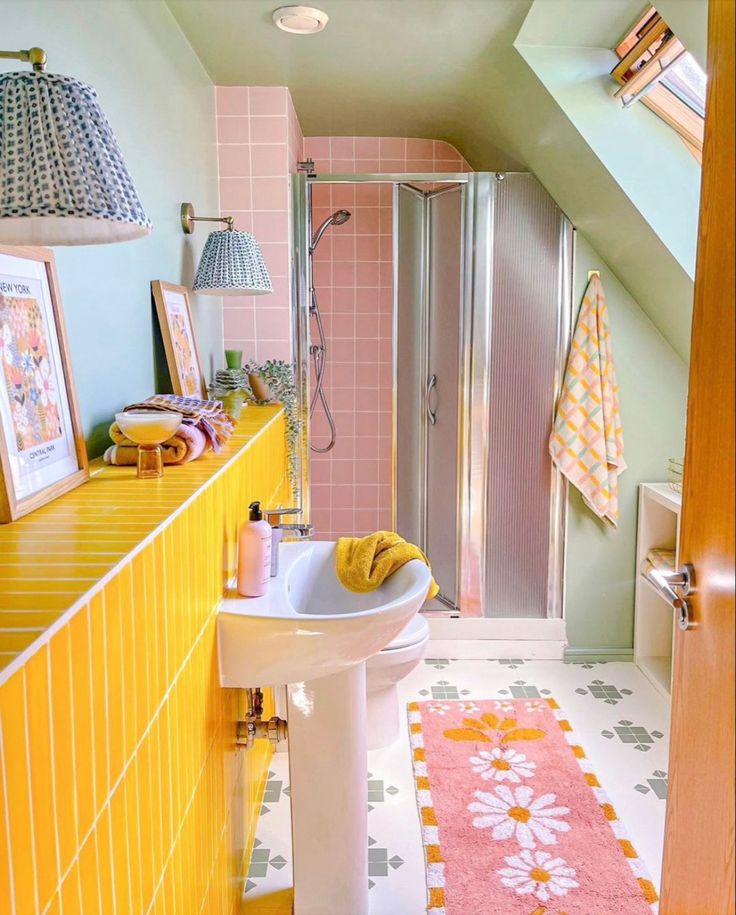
651,44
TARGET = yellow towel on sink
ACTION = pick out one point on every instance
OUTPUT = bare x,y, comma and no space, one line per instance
364,563
587,442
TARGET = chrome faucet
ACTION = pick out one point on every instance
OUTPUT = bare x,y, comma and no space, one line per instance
278,528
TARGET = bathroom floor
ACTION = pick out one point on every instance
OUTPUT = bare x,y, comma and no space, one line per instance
622,723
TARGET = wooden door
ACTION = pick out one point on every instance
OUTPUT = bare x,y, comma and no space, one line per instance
698,870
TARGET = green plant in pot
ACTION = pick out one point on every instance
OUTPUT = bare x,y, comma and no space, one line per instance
273,382
231,387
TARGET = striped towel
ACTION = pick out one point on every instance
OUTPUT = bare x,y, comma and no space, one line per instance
587,442
207,415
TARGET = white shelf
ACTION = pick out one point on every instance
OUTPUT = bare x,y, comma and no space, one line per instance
664,495
658,528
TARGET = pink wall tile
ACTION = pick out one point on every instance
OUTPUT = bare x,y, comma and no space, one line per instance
268,100
392,147
270,159
235,194
268,129
271,226
367,147
234,161
259,143
233,130
232,100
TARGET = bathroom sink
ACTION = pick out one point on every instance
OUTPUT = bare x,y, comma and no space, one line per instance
308,625
312,635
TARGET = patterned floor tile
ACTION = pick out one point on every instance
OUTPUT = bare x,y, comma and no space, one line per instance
622,723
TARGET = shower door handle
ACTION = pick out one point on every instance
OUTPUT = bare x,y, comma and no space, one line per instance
431,386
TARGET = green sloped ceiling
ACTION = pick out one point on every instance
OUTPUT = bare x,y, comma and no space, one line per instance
496,78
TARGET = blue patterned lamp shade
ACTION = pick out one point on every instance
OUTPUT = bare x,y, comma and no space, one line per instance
232,264
63,180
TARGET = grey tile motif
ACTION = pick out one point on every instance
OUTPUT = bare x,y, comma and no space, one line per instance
273,792
586,665
443,689
657,783
379,862
377,791
628,732
511,663
260,862
521,690
438,663
605,691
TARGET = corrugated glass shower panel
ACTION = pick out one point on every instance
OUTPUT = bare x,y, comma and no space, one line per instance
528,326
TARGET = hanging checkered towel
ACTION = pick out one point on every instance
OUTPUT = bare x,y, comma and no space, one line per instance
207,415
587,442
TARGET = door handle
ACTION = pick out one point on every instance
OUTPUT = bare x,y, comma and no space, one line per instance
676,587
431,386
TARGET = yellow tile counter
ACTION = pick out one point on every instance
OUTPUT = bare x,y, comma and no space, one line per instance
121,787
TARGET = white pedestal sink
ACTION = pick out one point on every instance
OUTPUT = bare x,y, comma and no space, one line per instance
312,634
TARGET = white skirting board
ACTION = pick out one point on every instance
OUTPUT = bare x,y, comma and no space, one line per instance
491,639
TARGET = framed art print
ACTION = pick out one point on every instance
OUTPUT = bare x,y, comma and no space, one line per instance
177,330
42,450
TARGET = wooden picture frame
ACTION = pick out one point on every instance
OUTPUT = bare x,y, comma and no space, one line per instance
42,448
177,329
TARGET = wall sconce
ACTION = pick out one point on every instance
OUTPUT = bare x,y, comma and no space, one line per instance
231,263
64,180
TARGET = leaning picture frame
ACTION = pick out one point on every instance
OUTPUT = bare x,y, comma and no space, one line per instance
177,329
42,448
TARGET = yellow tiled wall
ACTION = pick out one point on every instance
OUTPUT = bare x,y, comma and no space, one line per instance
122,790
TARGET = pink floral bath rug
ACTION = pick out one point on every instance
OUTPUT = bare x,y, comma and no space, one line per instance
514,821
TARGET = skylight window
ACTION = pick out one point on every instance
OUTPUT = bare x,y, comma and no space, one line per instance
655,68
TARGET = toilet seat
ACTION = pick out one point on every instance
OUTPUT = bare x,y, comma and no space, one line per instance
415,631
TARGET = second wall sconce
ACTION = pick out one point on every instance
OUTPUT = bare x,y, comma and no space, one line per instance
231,262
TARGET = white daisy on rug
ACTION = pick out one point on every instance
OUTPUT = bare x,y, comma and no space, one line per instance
470,707
438,708
538,873
535,706
515,813
502,765
504,706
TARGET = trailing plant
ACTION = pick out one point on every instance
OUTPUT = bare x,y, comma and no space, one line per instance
278,376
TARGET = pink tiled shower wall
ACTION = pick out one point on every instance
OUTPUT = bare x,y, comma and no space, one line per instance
353,274
259,143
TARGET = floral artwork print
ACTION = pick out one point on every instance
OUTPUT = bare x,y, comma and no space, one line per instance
28,373
181,334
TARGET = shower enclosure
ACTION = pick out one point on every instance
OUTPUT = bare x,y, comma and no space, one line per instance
482,310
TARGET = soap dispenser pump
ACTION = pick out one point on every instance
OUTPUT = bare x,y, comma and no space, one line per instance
254,554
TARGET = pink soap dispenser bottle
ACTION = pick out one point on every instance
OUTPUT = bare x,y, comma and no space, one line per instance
254,554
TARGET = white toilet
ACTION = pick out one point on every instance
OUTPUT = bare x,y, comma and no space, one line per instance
383,672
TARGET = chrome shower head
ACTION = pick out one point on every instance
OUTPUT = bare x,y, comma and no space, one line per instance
338,218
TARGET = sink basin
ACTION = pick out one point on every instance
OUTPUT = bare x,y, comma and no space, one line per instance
308,625
315,636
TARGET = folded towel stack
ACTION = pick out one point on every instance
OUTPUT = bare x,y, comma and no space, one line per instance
207,415
186,445
364,563
205,427
658,561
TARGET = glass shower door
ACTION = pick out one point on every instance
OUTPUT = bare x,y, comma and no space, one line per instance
429,316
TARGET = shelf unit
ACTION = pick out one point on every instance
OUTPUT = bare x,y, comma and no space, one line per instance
658,528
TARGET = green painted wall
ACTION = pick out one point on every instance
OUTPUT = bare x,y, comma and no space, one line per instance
653,388
160,103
